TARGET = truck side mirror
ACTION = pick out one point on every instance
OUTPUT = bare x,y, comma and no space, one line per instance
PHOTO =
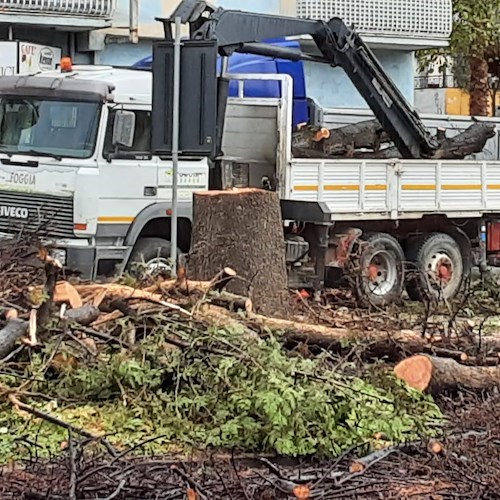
124,128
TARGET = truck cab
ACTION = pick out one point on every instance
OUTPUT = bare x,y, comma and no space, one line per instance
76,167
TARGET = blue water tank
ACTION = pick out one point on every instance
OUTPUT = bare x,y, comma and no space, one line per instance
249,63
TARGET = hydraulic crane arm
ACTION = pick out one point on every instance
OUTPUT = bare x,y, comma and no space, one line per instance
339,46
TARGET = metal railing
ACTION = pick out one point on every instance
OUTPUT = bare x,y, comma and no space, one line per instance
415,18
435,82
80,8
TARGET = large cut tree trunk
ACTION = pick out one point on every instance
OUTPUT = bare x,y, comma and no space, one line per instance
434,375
242,229
368,134
470,141
479,87
313,142
346,142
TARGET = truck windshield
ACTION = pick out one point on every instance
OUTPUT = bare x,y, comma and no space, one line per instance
44,127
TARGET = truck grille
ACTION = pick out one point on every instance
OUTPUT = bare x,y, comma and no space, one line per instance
49,216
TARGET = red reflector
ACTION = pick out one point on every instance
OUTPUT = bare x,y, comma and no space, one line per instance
169,211
80,227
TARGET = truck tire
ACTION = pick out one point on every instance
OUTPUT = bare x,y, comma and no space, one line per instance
150,256
381,278
439,267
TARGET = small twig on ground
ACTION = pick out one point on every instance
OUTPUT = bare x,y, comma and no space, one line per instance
72,465
191,482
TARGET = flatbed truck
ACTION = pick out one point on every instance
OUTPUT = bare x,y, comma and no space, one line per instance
86,160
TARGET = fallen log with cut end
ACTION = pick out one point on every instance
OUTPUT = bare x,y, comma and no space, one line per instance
435,375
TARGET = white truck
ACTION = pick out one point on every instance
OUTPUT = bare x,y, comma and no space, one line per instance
85,160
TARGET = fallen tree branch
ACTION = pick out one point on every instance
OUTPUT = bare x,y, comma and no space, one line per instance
13,331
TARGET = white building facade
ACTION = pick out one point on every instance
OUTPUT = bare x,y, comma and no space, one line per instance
99,31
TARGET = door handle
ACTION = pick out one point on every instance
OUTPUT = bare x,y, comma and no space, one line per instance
150,191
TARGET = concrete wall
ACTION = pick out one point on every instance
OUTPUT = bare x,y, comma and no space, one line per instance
431,101
449,101
333,89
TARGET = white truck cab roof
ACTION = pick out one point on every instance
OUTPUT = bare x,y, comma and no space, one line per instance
125,85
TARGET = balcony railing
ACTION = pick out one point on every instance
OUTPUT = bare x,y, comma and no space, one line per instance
102,9
435,82
402,18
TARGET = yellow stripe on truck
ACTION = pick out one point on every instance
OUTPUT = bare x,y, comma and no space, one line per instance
341,187
116,219
461,187
418,187
404,187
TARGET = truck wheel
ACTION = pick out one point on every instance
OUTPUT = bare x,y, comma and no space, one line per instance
439,267
150,256
381,277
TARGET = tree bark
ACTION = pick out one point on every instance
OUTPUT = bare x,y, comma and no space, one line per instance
84,316
470,141
11,333
345,142
392,345
363,135
313,142
242,229
435,375
479,87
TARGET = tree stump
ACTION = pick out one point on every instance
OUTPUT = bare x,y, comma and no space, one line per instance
242,229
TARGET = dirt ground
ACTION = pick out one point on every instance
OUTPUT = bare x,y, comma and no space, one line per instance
468,467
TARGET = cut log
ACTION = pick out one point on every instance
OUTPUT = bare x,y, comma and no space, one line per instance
231,301
243,229
11,333
470,141
187,287
307,141
363,135
435,375
220,317
473,140
313,142
347,141
84,316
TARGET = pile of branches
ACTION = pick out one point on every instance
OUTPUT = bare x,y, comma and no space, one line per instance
100,382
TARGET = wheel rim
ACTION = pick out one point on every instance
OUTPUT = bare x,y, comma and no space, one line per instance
381,273
157,265
440,269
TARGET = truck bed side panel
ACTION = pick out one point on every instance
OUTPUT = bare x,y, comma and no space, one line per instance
397,189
